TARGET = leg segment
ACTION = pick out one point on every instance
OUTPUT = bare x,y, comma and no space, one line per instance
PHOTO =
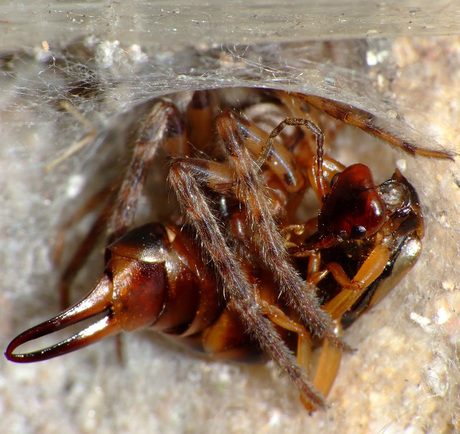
370,270
160,125
269,242
319,147
88,243
329,361
240,293
363,120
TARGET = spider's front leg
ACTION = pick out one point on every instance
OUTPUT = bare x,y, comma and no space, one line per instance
189,178
270,244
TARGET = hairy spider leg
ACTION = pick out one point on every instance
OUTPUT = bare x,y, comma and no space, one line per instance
221,177
161,127
188,180
269,242
365,121
318,169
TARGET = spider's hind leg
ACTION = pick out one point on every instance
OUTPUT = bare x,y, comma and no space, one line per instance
162,127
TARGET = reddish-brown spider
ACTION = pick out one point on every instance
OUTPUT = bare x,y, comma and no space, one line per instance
237,273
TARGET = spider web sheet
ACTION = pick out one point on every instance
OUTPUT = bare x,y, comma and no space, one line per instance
106,60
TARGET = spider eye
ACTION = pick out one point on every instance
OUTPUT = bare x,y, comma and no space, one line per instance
358,232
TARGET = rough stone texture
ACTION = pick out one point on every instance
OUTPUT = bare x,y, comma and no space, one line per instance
403,377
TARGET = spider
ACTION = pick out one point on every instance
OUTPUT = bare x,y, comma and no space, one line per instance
234,273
